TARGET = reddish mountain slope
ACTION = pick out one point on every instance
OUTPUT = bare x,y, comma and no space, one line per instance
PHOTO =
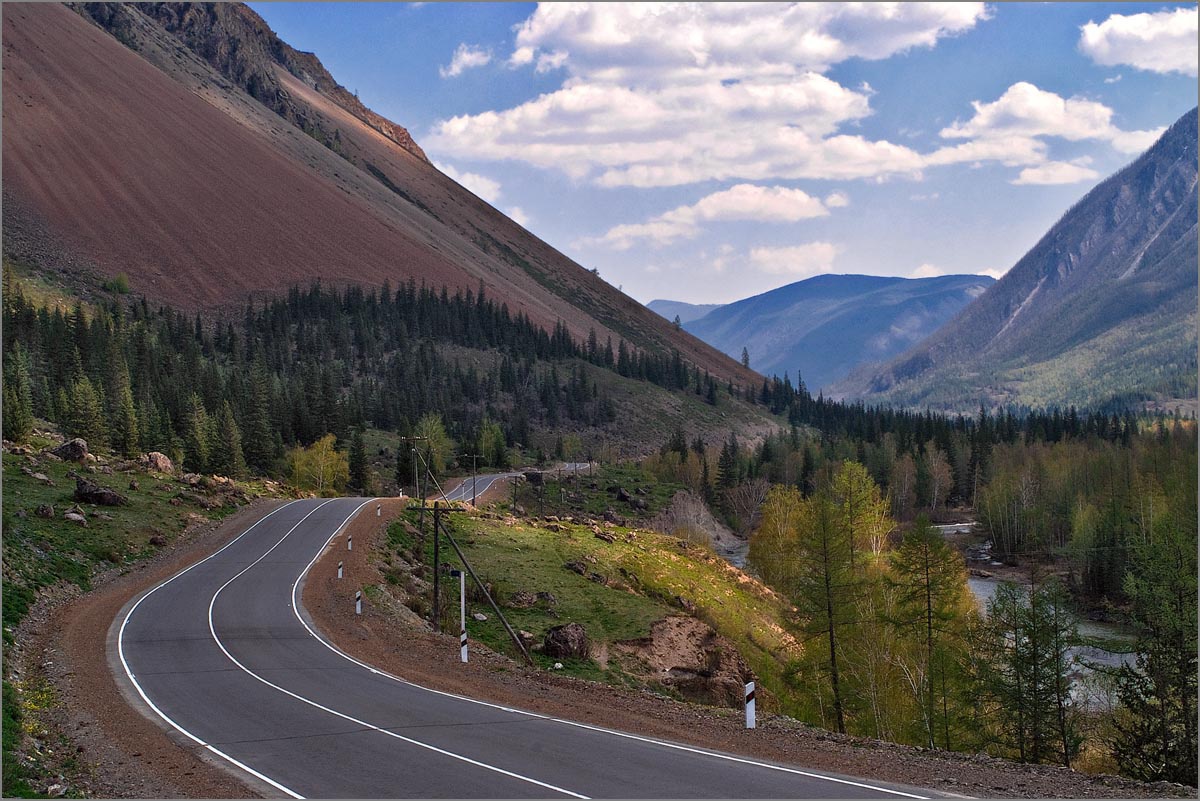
145,156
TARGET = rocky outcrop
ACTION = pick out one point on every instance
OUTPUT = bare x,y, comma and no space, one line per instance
75,450
569,641
90,492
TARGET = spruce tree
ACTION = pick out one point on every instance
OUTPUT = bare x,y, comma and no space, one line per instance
18,397
225,451
86,414
360,473
197,435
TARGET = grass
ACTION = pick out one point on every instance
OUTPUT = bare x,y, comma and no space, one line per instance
637,579
574,494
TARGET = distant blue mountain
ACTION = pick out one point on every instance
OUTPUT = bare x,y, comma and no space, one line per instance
686,312
825,327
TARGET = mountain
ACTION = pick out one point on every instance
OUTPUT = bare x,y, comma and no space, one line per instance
686,312
824,327
1103,308
189,148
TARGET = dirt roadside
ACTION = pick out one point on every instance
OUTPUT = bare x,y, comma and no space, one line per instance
100,745
380,638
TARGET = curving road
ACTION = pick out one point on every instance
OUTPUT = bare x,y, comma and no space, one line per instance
474,486
222,656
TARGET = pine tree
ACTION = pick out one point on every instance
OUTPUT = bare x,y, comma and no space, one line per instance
125,431
225,450
197,435
18,397
1156,723
360,475
259,435
86,414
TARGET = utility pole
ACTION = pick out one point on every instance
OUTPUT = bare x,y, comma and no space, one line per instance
474,477
437,566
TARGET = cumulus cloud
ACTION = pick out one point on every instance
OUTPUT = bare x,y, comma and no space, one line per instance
796,261
482,186
837,200
744,202
1010,128
1162,41
465,57
666,94
927,271
519,216
1056,172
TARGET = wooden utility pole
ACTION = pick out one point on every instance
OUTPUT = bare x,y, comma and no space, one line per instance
437,565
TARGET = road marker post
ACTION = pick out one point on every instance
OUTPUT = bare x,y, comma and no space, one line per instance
350,542
750,705
358,602
462,613
339,569
379,510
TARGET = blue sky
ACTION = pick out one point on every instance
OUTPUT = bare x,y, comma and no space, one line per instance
708,153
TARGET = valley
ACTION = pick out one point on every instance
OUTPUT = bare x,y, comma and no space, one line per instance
254,330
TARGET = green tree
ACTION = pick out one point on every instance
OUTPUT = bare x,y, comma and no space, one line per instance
126,437
197,435
434,444
259,436
492,444
225,452
18,397
86,414
1156,720
933,607
360,471
320,467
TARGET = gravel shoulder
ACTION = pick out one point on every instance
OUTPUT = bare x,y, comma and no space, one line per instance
392,640
98,743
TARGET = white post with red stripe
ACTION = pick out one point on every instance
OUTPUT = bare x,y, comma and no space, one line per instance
358,602
750,705
462,613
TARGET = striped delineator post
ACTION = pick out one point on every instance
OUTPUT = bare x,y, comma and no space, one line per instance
462,613
379,510
350,542
339,569
358,602
750,705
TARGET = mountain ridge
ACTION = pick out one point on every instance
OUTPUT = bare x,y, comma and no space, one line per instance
823,327
1102,306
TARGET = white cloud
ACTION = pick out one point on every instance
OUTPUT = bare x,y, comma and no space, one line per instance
480,185
664,94
1009,129
1114,79
465,57
519,216
1055,172
1163,41
837,200
744,202
927,271
798,261
994,272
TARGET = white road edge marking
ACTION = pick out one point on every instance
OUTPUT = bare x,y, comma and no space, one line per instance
613,732
146,698
344,716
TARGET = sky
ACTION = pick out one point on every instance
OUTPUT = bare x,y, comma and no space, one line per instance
710,152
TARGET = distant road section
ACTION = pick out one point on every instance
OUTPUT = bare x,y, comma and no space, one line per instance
474,486
223,657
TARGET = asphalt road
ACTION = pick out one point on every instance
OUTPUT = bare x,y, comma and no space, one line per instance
474,486
222,656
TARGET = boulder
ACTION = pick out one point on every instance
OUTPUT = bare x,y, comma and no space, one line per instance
134,485
603,535
44,510
535,477
90,492
480,616
569,641
547,598
159,462
158,540
623,495
75,518
75,450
